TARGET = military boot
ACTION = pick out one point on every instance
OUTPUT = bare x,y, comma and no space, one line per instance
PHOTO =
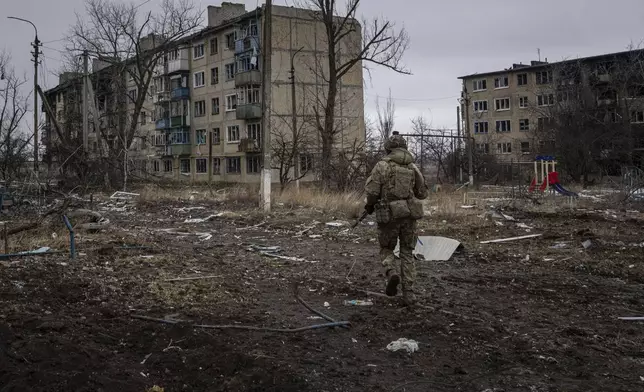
393,280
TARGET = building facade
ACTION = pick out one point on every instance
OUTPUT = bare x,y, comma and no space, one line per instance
202,117
528,109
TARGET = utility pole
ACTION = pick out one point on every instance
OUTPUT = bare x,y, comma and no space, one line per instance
210,164
266,107
85,102
36,45
460,153
296,162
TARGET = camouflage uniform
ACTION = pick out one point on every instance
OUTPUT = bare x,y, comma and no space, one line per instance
381,199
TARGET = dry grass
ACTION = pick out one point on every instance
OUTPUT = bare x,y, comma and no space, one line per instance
349,204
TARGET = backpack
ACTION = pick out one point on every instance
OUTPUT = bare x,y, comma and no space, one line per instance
398,201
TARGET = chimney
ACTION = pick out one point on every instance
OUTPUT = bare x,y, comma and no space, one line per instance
218,15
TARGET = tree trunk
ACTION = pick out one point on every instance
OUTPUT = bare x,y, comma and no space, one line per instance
328,134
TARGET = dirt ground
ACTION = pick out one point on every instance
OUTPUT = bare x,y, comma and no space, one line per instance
530,315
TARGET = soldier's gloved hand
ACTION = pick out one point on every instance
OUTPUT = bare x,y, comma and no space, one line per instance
370,208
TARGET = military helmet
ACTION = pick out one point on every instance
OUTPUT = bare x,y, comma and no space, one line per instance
395,141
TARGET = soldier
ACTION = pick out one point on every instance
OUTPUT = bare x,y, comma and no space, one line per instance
394,191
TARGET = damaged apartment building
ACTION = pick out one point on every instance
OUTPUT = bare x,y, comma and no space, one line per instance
592,105
202,116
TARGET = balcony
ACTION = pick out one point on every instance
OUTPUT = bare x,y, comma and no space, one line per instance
247,43
249,111
178,65
248,145
248,77
179,149
161,123
161,97
180,93
179,121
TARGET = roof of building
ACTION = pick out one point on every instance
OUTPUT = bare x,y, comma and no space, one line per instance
536,65
203,32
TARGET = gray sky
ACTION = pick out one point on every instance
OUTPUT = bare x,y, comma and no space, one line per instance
448,39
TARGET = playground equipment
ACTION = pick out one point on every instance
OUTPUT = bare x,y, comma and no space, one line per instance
547,177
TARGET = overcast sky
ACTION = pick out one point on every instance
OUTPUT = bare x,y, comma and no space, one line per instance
448,39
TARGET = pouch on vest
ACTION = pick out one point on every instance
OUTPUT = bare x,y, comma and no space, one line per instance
399,209
383,214
415,208
401,182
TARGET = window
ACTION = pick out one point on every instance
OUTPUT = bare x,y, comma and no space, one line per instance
230,40
501,82
524,124
214,75
306,163
543,77
483,148
156,166
525,147
503,126
480,127
202,165
250,94
197,51
233,134
231,102
200,136
200,80
215,106
480,106
502,104
143,118
180,137
480,85
216,166
522,79
167,166
637,117
253,164
230,71
504,148
523,102
200,108
545,100
133,95
233,165
543,123
216,136
254,131
214,46
184,166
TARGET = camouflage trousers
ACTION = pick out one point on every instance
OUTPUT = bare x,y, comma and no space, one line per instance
388,236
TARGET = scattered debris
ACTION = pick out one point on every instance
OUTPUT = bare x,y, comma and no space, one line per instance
327,305
119,195
337,223
202,220
403,344
559,245
357,302
587,244
523,237
467,207
631,318
193,278
273,251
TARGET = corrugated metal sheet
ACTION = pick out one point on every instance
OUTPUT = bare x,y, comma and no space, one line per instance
433,248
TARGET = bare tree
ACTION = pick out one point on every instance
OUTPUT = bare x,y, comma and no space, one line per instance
386,117
380,45
288,147
130,44
13,106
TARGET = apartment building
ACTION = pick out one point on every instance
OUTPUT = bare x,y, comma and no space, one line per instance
507,112
203,114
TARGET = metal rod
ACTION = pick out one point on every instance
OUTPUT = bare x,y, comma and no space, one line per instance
72,242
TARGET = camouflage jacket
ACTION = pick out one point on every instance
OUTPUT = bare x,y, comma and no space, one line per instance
374,187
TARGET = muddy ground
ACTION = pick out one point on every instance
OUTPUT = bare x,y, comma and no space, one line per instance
516,316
